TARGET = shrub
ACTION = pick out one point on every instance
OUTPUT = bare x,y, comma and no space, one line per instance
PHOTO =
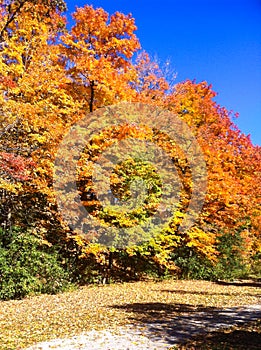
231,263
27,266
192,265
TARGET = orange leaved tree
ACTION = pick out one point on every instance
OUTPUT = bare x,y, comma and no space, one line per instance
50,77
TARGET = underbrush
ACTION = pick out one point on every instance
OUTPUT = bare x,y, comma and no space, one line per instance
29,266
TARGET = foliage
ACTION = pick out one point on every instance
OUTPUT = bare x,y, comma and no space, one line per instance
91,263
97,52
50,76
255,266
231,263
192,265
28,266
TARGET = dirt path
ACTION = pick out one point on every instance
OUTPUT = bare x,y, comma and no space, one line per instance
158,333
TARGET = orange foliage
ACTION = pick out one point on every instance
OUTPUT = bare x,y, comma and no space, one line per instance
50,78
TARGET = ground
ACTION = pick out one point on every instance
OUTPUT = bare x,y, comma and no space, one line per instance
173,313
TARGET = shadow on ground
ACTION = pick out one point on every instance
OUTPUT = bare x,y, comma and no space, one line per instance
179,323
181,291
239,339
241,283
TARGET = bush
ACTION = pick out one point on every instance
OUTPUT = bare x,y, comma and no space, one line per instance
256,266
27,266
231,263
193,266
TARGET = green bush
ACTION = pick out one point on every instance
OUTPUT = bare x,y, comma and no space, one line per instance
193,266
230,263
27,266
256,266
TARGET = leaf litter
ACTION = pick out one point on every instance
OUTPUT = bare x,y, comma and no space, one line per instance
147,305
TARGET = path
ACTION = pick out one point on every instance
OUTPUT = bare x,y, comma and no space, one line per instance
157,334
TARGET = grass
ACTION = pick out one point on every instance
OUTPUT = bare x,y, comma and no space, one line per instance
45,317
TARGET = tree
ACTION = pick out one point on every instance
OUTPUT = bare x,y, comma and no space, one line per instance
11,10
35,108
151,85
233,162
51,77
97,52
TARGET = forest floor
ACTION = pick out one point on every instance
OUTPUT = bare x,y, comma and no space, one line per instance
141,315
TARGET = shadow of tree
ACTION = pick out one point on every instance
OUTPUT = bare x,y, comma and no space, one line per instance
206,292
240,283
179,323
239,339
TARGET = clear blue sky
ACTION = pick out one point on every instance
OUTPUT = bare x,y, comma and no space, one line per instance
214,40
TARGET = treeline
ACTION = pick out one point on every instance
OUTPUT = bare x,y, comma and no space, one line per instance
51,76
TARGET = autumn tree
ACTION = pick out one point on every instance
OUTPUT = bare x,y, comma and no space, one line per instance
35,108
98,51
232,202
51,77
233,198
151,85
